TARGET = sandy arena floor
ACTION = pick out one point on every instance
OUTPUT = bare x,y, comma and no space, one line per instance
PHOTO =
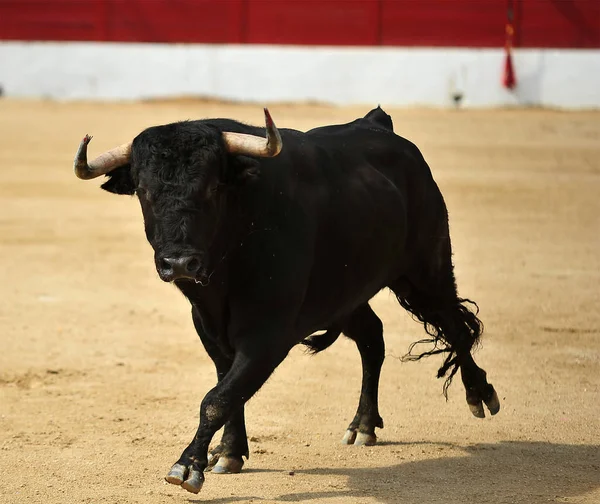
101,372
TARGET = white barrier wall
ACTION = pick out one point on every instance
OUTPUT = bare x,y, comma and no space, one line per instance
339,75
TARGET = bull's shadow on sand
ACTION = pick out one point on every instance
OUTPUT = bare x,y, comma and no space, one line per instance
502,473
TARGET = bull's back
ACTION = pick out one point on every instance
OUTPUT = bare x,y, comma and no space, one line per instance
349,191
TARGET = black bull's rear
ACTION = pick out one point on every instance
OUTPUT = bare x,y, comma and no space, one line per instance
275,239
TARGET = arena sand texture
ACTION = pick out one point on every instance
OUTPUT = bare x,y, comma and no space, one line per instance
101,372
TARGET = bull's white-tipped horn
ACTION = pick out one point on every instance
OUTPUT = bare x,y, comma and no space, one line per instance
104,163
239,143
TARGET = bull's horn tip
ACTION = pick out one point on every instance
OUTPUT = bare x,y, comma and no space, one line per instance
268,118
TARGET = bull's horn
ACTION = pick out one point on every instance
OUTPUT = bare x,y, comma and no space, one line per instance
104,163
239,143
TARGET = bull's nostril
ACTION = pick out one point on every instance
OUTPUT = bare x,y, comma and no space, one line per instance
172,268
192,265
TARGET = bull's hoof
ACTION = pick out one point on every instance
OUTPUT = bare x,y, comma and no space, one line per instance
476,401
188,478
364,439
194,481
493,403
228,465
356,438
349,437
477,410
213,457
177,474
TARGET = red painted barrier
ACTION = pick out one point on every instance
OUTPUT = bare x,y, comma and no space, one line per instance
436,23
52,20
184,21
463,23
311,22
558,23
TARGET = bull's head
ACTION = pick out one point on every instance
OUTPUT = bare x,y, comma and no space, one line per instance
178,172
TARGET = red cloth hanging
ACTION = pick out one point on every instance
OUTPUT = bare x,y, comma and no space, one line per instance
508,78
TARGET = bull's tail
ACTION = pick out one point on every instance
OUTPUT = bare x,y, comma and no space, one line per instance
454,330
431,296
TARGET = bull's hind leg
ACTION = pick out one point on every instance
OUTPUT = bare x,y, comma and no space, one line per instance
454,329
366,329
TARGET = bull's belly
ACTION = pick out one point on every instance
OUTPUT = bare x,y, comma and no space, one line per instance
333,297
332,314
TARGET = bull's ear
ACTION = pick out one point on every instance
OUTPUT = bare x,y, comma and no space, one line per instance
243,169
120,181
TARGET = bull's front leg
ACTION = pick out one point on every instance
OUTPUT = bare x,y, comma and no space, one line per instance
253,363
187,472
228,455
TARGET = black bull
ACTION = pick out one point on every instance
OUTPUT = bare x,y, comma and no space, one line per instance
274,241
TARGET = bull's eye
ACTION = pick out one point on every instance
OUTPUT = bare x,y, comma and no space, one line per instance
212,190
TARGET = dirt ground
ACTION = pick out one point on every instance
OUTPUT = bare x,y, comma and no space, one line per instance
101,372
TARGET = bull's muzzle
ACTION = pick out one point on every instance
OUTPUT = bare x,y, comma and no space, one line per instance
181,267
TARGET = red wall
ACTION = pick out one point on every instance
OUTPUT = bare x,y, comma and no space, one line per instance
449,23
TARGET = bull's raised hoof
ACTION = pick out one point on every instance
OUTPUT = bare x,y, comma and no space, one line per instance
475,400
493,403
477,410
356,438
187,477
